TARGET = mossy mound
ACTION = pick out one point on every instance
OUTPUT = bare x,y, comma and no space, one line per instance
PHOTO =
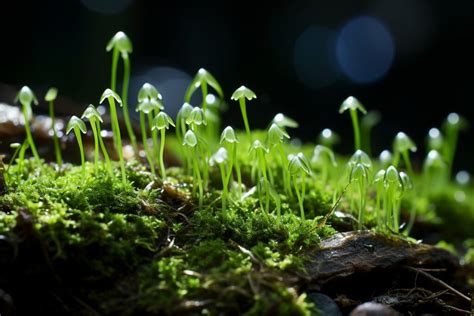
90,243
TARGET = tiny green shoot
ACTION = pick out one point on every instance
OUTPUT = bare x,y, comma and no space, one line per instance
190,140
162,122
402,145
79,127
94,118
259,151
379,193
360,176
275,138
120,43
149,102
434,172
228,137
26,97
451,127
353,105
203,79
112,97
299,168
50,97
324,160
393,191
219,159
241,94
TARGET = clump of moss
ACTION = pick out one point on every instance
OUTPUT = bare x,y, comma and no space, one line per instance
149,235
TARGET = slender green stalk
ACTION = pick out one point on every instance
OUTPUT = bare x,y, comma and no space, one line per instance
21,155
57,148
162,151
114,119
224,186
204,95
96,146
77,132
197,175
154,134
263,171
146,148
285,172
113,75
243,109
29,137
104,150
299,197
126,115
355,126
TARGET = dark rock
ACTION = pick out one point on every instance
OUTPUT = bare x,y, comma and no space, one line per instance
374,309
325,304
349,253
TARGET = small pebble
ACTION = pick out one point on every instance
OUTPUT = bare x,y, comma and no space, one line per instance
374,309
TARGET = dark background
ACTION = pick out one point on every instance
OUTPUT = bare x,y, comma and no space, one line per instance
287,52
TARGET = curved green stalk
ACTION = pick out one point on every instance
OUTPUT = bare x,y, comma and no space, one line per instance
114,118
355,126
96,146
197,176
243,109
285,172
104,150
57,148
224,186
29,137
21,155
263,170
145,143
126,115
77,132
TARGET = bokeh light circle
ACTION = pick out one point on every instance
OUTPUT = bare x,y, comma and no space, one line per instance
365,49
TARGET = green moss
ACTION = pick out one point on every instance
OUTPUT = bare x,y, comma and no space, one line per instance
172,257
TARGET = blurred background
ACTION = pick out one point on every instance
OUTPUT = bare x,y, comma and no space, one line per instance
410,60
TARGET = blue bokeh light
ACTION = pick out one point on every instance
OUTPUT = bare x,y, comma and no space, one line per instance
365,49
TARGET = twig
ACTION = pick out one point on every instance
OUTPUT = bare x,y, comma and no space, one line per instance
440,282
328,215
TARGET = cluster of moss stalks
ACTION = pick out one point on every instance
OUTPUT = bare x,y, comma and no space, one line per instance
122,237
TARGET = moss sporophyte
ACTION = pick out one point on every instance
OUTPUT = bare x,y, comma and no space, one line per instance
50,97
252,194
26,97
